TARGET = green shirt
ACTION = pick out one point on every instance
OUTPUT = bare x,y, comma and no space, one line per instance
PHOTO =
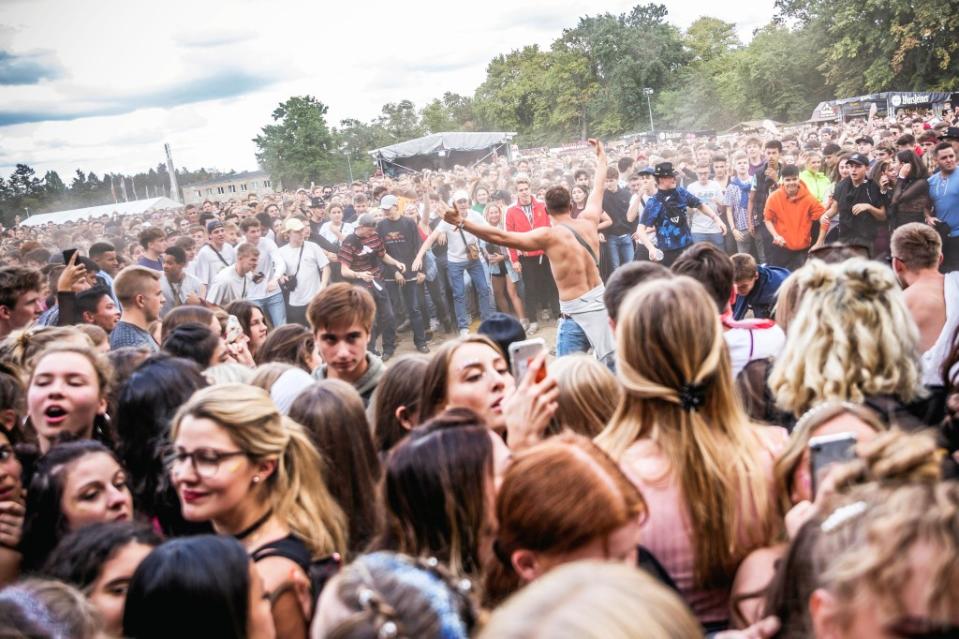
817,183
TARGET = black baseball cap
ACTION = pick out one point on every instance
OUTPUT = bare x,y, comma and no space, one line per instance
864,138
951,133
858,158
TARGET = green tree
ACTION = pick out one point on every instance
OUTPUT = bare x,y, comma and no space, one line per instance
877,45
710,38
453,112
299,147
400,121
53,185
513,96
628,52
24,182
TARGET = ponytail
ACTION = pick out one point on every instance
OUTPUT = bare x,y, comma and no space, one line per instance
301,498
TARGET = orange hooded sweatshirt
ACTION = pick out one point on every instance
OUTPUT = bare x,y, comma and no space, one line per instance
793,217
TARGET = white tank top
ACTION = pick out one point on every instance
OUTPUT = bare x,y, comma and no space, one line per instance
931,360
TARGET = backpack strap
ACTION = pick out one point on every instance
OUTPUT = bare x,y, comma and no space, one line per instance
582,242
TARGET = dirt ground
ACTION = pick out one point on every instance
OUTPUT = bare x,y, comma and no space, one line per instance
404,340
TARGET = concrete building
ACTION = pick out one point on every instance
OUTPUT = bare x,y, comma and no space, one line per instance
237,186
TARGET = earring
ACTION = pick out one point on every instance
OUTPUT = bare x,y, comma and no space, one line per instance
256,479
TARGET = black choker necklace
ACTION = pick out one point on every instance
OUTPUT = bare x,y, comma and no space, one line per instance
243,534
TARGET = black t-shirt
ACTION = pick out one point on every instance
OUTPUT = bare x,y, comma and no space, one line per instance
349,213
617,205
401,239
860,227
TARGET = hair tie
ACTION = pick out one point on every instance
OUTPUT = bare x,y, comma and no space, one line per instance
692,396
842,515
387,631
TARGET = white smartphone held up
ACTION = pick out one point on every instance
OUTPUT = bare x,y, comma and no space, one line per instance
522,353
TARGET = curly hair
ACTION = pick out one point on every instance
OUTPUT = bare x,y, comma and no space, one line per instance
852,338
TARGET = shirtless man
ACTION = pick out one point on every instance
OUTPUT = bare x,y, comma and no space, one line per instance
572,246
931,297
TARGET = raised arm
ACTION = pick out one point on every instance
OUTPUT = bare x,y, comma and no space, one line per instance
594,205
534,240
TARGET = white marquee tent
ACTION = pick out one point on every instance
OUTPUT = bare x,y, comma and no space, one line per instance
135,207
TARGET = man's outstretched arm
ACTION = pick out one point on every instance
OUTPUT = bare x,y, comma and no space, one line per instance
594,204
534,240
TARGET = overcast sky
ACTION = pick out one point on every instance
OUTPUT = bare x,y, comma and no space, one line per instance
102,84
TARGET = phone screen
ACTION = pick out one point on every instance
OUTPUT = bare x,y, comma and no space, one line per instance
826,451
68,255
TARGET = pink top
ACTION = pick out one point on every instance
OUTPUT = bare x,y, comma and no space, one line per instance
666,532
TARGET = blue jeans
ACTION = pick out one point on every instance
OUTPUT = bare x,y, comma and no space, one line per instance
478,278
713,238
274,307
571,338
621,250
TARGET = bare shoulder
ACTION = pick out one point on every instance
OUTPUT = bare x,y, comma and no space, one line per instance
276,571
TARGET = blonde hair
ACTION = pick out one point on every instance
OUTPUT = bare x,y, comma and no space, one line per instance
880,531
265,375
296,489
893,458
588,395
21,348
132,281
852,338
671,353
593,600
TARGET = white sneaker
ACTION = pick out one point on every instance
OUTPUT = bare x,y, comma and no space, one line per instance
464,332
533,327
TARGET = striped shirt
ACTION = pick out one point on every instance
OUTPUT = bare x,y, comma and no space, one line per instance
363,255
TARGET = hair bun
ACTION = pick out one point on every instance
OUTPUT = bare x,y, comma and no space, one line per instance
866,278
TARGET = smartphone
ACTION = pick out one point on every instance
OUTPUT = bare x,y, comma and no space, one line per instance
68,255
233,329
522,353
828,450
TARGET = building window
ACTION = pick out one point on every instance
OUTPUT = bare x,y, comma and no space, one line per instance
209,191
267,184
243,187
233,188
253,185
220,190
199,194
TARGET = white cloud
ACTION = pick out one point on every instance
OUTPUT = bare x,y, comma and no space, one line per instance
205,76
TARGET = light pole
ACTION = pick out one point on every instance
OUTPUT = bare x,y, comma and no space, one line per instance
346,151
648,92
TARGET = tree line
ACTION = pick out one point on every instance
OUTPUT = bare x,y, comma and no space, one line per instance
591,81
24,193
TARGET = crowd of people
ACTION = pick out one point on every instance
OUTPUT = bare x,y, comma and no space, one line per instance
300,415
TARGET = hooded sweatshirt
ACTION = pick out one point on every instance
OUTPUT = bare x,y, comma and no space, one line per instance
366,384
793,217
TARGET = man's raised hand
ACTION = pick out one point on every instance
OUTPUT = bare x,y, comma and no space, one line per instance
597,146
452,216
